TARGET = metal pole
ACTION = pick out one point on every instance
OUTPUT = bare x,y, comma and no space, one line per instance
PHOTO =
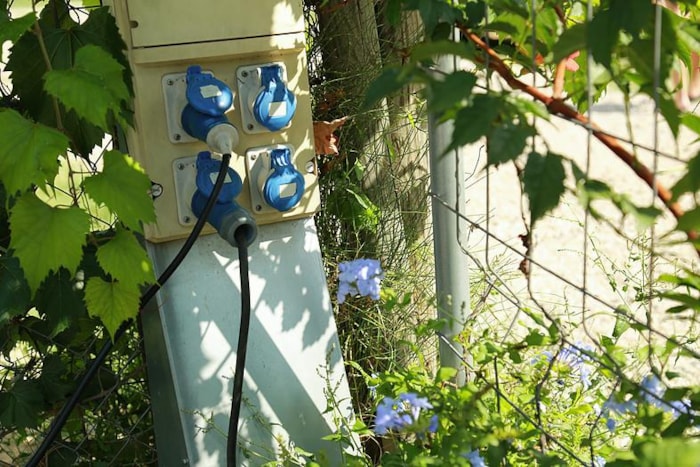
451,265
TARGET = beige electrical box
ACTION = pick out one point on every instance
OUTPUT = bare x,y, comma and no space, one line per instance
226,39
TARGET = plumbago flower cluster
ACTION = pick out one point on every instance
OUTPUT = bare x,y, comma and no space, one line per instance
359,277
552,403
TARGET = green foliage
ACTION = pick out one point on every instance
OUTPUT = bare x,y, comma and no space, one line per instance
543,180
46,238
529,403
113,302
123,188
65,273
93,87
28,153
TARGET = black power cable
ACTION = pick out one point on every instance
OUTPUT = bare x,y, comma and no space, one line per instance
241,349
62,417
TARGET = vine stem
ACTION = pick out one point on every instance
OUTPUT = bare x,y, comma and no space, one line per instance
557,106
47,60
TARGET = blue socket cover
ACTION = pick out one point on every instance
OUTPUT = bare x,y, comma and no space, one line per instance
208,99
208,170
207,94
275,105
284,187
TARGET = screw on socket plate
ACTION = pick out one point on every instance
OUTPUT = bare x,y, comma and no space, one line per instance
310,167
177,136
180,166
187,219
170,82
244,74
258,207
156,190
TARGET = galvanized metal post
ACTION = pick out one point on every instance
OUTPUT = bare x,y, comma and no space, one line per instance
451,265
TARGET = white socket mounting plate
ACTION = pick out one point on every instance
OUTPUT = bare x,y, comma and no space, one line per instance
185,174
258,166
249,87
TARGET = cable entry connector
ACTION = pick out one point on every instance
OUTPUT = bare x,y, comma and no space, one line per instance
204,116
275,104
227,216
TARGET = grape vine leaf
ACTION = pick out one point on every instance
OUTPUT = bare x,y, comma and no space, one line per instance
507,141
474,121
44,238
12,29
28,153
60,300
62,37
690,220
123,187
20,406
14,291
112,302
445,94
690,181
92,87
123,258
543,182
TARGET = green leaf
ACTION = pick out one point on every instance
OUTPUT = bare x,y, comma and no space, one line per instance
474,121
690,181
53,379
123,187
571,40
543,182
28,153
60,300
44,238
689,221
633,19
12,29
93,87
20,406
445,374
670,452
602,34
434,12
112,302
431,49
14,292
692,121
621,322
447,93
391,79
62,38
125,260
506,142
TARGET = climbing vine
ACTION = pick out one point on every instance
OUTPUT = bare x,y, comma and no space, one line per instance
72,210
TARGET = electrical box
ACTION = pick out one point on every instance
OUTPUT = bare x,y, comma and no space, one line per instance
250,46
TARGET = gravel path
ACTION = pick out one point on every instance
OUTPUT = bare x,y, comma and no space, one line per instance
617,270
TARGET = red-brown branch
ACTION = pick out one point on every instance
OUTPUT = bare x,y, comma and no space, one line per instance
556,106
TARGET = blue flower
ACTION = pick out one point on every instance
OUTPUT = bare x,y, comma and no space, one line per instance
654,390
359,277
613,407
475,459
433,424
598,461
396,414
577,361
